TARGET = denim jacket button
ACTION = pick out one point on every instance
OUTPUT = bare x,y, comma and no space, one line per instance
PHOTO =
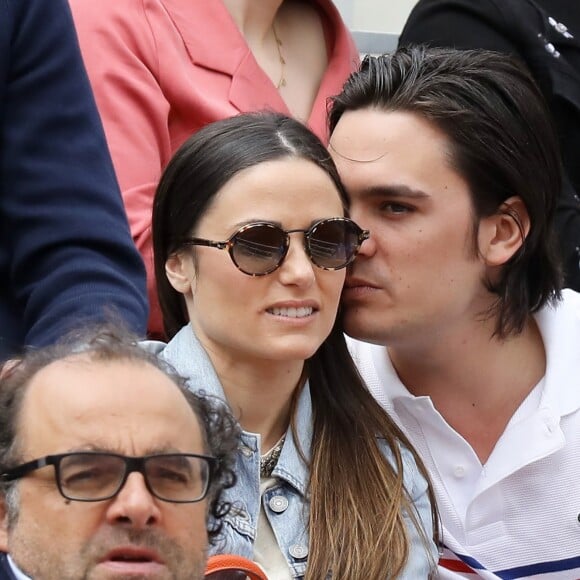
278,504
298,551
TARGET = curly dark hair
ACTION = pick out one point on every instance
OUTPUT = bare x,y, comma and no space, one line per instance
222,434
112,342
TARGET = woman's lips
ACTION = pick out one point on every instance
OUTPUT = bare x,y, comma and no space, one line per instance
295,311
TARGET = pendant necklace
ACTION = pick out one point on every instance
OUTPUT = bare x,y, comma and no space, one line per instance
282,81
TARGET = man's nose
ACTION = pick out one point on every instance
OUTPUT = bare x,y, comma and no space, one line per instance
134,505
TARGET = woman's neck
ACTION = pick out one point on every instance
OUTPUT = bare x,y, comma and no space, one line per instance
260,392
254,18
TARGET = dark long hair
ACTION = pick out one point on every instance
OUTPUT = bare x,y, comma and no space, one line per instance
502,143
358,501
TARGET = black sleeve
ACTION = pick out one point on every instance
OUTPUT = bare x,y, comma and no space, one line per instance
472,24
457,23
568,228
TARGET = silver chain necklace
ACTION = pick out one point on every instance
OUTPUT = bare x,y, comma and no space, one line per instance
269,460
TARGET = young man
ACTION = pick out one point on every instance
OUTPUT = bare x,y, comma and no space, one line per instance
109,466
451,162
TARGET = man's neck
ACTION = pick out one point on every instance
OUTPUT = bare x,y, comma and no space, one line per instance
475,381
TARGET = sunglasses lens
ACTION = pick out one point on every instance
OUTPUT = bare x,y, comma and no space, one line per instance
333,244
259,249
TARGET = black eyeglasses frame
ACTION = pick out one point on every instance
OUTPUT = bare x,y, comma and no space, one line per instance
131,464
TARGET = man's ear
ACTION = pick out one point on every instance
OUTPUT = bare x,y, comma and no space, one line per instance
3,525
180,272
502,234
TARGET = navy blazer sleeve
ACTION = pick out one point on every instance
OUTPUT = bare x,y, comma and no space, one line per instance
66,254
6,572
489,24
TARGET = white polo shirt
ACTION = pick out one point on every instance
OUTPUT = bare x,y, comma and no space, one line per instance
517,516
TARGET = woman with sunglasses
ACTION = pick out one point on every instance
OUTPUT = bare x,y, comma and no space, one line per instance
251,243
162,69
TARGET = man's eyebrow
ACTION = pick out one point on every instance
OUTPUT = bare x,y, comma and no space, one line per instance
91,448
397,191
96,448
163,450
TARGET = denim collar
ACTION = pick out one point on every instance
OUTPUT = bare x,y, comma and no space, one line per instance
190,360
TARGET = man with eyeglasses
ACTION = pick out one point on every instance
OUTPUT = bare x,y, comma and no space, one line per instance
109,466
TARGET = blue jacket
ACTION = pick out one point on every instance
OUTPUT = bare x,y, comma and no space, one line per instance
286,504
65,249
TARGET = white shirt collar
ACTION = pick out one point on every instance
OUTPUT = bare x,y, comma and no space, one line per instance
560,329
17,572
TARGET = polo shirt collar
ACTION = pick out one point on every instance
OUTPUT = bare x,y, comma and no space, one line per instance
559,327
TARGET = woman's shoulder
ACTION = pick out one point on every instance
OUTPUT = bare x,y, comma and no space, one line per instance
180,349
413,480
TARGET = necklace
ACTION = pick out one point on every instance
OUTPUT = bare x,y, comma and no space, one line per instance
282,81
270,458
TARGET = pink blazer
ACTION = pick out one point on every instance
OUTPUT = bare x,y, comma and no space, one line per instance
161,69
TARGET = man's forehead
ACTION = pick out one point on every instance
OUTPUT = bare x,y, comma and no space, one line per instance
363,155
123,405
81,383
367,144
369,135
85,365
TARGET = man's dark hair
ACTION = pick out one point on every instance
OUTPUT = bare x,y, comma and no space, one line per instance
112,343
502,143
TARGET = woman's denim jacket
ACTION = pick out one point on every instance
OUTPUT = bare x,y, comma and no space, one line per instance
286,504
